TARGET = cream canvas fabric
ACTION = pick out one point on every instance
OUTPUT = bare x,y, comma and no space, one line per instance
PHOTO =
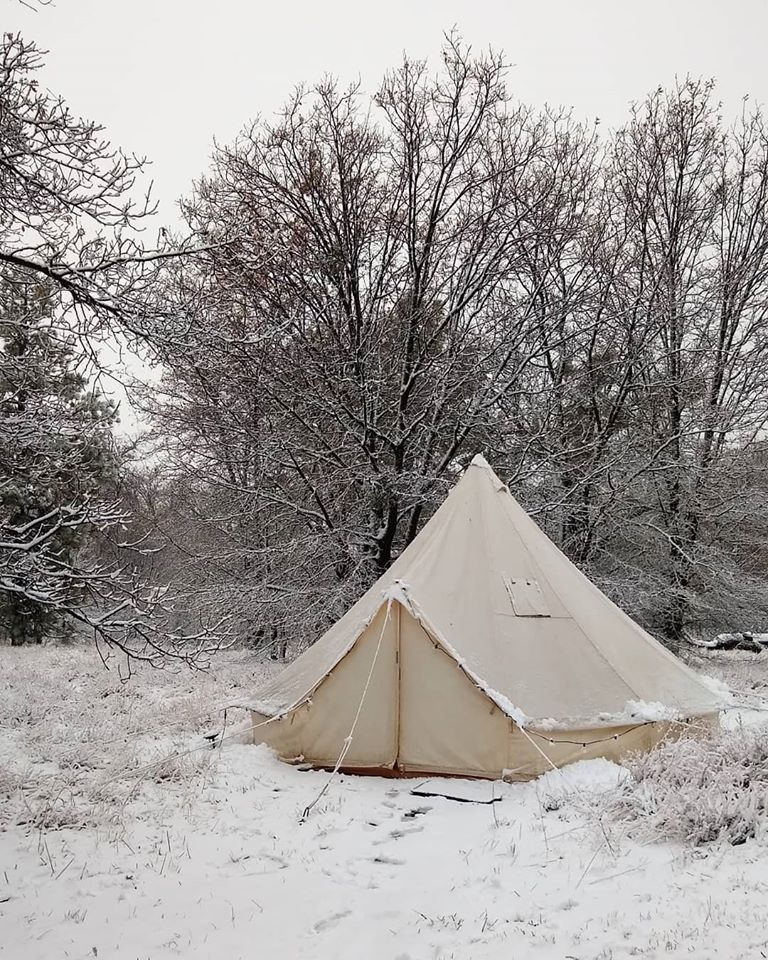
483,651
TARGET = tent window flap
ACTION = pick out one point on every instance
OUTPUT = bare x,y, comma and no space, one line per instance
526,597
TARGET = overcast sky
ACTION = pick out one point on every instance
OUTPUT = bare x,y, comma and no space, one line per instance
167,76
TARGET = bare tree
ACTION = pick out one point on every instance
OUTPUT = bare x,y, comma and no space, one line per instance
68,205
693,199
364,331
72,268
441,270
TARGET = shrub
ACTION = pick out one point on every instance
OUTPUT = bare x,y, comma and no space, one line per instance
697,791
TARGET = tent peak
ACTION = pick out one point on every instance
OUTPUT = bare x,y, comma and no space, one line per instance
479,461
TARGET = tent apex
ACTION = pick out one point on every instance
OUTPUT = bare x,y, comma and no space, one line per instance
479,461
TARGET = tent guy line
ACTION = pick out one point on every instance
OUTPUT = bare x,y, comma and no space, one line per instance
350,736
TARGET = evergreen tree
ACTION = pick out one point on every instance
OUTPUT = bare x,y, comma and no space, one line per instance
56,459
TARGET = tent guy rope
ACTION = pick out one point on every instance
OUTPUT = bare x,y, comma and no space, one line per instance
350,736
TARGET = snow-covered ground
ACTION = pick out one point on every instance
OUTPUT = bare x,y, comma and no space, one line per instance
104,852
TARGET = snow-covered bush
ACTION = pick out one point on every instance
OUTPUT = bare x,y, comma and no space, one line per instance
697,790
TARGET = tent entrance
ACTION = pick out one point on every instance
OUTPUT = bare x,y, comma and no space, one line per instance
444,722
408,705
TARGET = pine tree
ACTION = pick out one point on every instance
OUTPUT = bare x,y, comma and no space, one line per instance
56,459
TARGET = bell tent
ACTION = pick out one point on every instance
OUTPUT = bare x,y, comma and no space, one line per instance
482,652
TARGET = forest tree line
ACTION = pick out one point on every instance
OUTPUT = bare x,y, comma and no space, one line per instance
367,291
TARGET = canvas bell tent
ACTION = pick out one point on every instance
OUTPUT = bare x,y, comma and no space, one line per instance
482,652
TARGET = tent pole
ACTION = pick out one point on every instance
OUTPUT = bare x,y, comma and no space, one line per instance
398,662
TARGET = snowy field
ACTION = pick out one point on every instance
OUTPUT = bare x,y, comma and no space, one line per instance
107,849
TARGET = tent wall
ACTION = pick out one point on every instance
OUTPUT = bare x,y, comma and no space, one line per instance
317,729
422,714
447,725
531,754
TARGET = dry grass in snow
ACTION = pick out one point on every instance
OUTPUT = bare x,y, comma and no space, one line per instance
207,857
80,744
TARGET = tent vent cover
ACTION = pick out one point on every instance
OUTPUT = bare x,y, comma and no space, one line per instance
526,597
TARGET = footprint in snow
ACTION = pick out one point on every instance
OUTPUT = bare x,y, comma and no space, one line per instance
397,834
328,922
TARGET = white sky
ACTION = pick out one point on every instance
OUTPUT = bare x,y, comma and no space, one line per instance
166,76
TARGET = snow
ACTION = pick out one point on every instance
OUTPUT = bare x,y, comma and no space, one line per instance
397,591
502,702
633,712
720,689
273,709
722,639
210,860
738,718
593,776
642,711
